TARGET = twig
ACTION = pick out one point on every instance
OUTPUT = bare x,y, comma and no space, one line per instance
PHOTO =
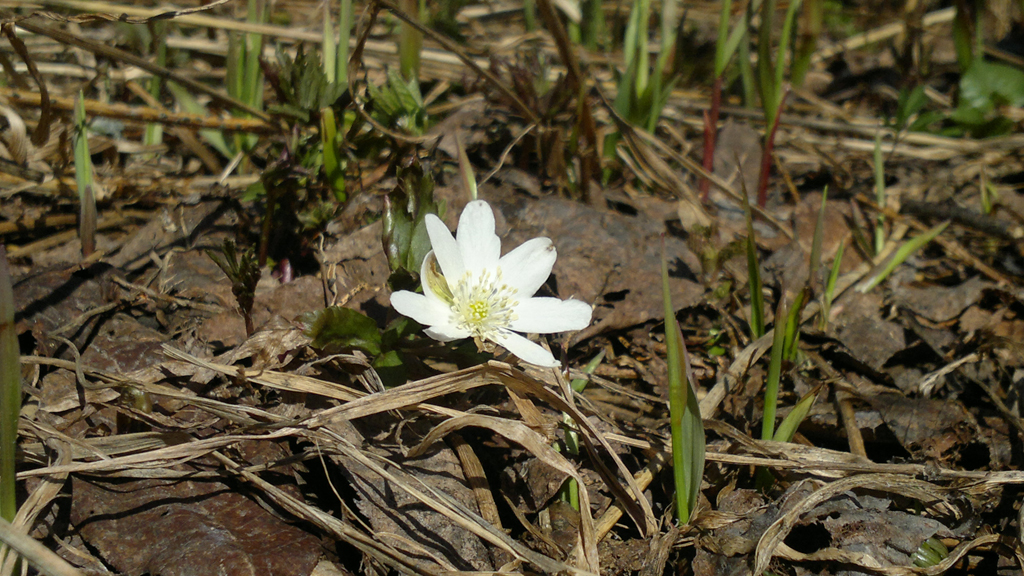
141,113
38,555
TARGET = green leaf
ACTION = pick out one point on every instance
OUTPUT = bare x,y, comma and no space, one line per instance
904,252
830,285
391,369
792,421
911,102
789,347
345,33
338,327
579,384
83,162
984,87
10,392
688,443
774,378
405,238
329,47
784,44
724,49
988,83
188,102
334,166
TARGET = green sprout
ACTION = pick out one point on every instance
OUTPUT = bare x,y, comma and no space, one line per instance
830,285
772,84
410,40
84,180
772,381
10,392
788,427
931,552
901,255
642,95
688,447
244,273
335,54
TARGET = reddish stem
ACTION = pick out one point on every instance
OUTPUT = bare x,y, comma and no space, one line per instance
710,134
769,149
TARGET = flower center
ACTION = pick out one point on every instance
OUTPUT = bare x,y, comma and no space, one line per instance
483,304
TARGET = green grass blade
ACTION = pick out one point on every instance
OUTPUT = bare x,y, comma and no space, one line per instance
329,48
530,15
334,168
788,426
830,285
83,162
84,180
737,39
771,383
722,52
410,41
252,77
634,47
10,392
789,347
901,255
810,30
669,20
579,384
765,71
784,44
345,34
688,448
188,102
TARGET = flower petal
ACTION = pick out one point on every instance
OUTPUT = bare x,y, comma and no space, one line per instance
550,315
445,249
426,311
527,351
528,266
446,333
479,245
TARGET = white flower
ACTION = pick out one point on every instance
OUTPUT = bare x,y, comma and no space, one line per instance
479,293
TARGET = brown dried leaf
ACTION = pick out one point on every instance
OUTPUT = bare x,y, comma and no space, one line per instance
183,528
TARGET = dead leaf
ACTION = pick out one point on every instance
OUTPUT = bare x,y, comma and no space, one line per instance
186,528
